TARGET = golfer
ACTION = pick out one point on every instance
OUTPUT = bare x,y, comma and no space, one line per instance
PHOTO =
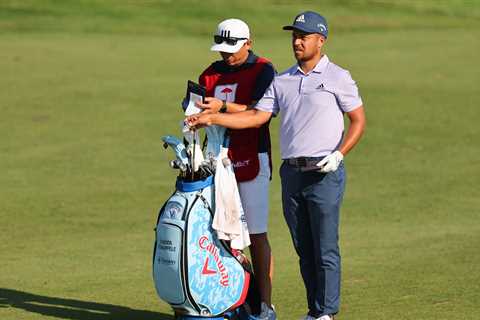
312,97
235,84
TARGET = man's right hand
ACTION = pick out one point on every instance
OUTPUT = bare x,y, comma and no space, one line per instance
211,105
199,120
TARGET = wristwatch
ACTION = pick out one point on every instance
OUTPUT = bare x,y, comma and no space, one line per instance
223,109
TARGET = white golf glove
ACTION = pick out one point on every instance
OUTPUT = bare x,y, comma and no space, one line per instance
331,162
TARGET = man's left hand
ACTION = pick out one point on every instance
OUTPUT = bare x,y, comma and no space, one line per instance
331,162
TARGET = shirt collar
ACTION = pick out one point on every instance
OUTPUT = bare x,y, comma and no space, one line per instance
319,68
252,58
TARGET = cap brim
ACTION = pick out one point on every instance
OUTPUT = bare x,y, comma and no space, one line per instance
307,30
223,47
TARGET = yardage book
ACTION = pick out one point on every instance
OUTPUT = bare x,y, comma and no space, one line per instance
195,92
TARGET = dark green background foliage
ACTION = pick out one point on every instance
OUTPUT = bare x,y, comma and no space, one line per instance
87,88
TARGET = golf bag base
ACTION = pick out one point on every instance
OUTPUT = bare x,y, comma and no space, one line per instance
194,271
237,314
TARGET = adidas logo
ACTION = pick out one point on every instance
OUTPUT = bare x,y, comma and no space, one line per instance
320,86
300,18
225,33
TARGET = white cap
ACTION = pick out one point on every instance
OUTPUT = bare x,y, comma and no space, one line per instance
231,28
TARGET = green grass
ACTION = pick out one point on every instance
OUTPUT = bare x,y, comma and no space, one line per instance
89,87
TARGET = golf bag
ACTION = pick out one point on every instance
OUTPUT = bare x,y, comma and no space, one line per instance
195,272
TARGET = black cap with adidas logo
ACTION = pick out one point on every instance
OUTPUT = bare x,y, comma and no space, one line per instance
310,22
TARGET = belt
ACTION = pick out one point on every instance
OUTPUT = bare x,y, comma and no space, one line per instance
303,161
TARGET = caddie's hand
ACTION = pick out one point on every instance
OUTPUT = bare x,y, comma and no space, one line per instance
331,162
199,120
211,105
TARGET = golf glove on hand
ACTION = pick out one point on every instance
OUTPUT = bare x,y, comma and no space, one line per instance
331,162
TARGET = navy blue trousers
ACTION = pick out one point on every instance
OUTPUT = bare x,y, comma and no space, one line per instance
311,206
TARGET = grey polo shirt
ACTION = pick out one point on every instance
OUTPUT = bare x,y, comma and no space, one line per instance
311,108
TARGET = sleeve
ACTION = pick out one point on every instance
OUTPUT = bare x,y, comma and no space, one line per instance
268,102
263,81
347,94
202,79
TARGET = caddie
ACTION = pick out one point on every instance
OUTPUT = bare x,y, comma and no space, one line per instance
235,84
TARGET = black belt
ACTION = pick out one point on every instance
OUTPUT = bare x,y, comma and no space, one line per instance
302,162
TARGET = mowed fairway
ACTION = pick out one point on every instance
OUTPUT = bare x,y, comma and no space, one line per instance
87,88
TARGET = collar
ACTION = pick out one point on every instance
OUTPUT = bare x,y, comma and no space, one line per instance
252,58
319,68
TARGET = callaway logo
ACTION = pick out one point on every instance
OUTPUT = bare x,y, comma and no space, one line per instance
300,18
205,269
205,244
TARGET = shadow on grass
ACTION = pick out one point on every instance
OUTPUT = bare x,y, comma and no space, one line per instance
73,309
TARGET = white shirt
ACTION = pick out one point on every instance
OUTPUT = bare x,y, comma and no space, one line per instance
311,107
